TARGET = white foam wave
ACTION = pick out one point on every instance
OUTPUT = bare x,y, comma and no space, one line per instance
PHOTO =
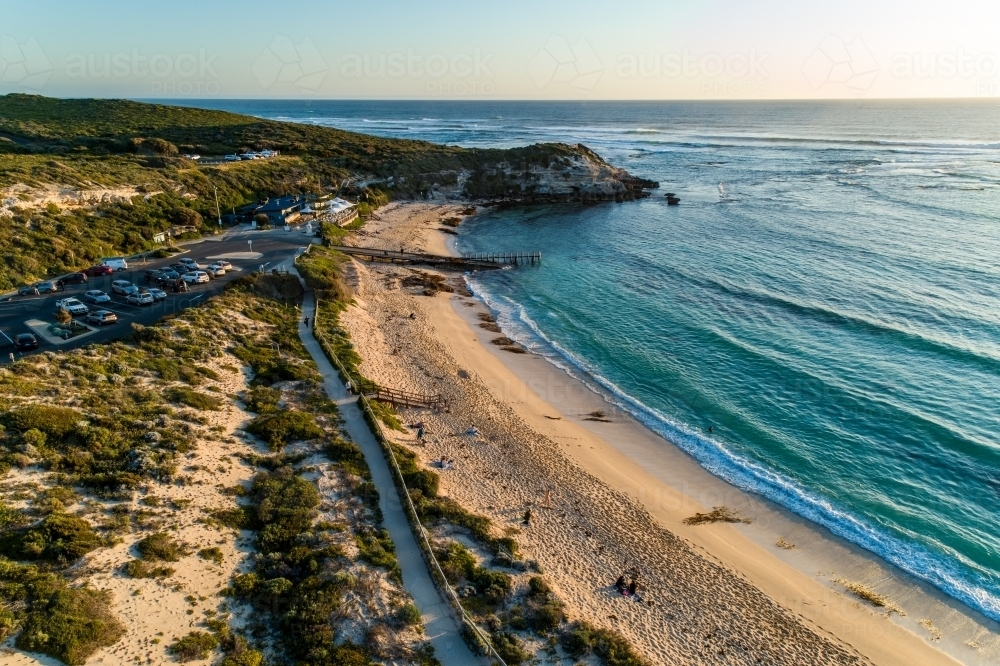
747,474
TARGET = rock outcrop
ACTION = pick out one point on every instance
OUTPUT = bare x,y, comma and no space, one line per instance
546,173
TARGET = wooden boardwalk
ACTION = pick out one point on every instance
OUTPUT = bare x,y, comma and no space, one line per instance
399,398
476,261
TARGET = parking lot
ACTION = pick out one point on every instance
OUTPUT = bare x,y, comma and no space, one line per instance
270,250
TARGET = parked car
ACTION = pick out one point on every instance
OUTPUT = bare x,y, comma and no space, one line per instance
167,274
46,287
232,158
99,270
73,278
96,296
139,298
25,341
102,317
72,306
151,274
117,263
225,264
158,294
215,270
181,269
196,277
123,287
189,262
27,290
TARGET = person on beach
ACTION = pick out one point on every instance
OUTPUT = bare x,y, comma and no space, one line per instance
420,434
620,583
472,431
527,517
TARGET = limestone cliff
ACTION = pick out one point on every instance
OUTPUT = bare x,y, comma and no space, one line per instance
534,174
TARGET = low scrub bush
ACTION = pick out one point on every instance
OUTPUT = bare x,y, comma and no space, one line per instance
196,645
193,398
60,538
283,427
70,624
581,639
55,422
211,554
141,569
160,547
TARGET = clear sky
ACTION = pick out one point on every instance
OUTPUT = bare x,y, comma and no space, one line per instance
515,49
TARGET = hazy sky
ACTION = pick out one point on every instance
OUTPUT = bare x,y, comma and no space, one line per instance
625,49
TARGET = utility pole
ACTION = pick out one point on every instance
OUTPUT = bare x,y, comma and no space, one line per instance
218,211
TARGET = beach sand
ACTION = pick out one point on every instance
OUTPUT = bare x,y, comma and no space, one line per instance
720,593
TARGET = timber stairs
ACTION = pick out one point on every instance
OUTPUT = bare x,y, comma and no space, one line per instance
400,398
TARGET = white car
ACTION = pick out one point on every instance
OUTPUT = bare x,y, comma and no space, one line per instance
196,277
72,306
139,298
215,270
96,296
123,287
225,264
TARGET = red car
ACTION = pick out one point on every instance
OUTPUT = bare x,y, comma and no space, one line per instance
97,271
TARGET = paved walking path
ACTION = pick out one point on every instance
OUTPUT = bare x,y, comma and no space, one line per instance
439,623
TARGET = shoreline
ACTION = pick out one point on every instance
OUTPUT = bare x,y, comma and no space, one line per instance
669,485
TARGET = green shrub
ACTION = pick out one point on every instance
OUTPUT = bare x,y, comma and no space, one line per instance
140,569
240,518
33,437
193,398
409,614
11,518
262,399
71,625
160,547
582,638
56,422
245,584
348,456
212,554
508,646
378,550
59,538
284,427
456,562
196,645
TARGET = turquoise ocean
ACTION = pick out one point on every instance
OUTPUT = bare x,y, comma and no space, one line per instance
826,298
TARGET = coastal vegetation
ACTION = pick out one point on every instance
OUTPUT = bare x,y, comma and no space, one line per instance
85,178
513,607
98,445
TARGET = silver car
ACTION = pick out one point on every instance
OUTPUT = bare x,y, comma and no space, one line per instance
96,296
139,298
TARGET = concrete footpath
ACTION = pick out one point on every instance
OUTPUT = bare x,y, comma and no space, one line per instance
441,628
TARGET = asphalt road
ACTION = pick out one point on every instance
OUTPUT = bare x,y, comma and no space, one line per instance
270,249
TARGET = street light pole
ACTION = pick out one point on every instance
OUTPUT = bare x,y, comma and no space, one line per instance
218,211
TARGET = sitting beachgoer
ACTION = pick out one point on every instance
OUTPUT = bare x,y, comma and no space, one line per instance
620,583
527,517
633,588
472,431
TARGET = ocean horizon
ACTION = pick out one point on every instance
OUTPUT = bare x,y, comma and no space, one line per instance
817,322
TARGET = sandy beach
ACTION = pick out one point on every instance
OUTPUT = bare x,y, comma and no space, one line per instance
769,591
